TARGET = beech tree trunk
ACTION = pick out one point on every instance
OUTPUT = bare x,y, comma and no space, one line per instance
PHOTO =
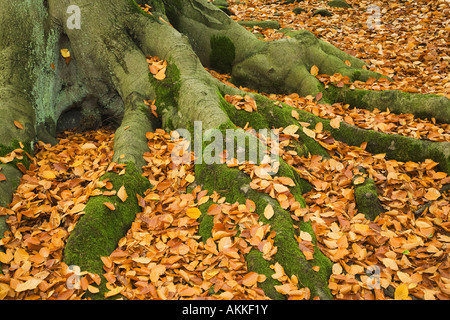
107,80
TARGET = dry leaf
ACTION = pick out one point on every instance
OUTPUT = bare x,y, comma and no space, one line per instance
314,70
432,194
193,213
110,206
122,194
18,125
268,212
401,292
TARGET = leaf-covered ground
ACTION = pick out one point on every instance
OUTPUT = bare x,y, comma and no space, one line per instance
163,257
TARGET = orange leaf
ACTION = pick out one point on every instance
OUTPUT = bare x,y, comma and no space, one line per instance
268,212
193,213
214,209
18,124
250,279
2,177
432,194
122,194
48,175
161,75
110,206
314,70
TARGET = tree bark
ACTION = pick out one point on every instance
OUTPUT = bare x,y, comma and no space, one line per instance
108,78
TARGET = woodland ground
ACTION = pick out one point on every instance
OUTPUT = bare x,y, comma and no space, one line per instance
163,257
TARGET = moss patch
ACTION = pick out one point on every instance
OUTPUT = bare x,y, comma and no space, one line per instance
223,53
15,144
366,198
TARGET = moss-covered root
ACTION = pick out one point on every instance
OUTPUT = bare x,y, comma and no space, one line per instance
235,186
270,115
395,146
421,105
366,197
99,230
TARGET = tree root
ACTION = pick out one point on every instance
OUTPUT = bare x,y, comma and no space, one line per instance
97,233
233,183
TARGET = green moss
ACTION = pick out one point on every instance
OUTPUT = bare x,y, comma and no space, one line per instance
223,53
338,4
15,144
366,198
206,222
99,230
257,263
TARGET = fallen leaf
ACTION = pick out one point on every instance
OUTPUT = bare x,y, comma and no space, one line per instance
268,212
122,194
193,213
335,123
401,292
110,206
432,194
18,125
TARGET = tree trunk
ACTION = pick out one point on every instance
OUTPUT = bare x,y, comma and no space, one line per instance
107,81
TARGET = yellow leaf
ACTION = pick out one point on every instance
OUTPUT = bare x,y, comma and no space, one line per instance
290,130
401,292
314,70
305,236
48,175
4,289
114,292
309,132
28,285
65,53
122,194
193,213
190,178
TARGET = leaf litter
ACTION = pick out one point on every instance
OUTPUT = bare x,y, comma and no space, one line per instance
163,257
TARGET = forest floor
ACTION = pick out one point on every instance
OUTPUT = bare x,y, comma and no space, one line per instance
400,255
